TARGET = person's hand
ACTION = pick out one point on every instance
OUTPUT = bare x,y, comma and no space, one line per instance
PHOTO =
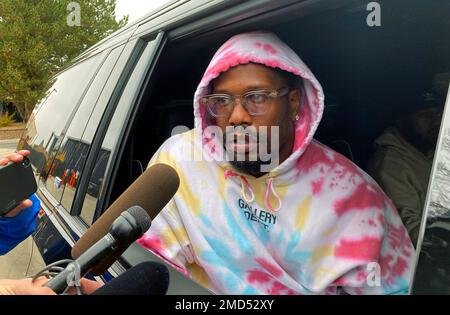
25,287
17,158
87,286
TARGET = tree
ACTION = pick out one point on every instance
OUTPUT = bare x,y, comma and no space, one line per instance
37,39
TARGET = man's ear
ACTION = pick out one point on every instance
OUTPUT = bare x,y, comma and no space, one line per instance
294,97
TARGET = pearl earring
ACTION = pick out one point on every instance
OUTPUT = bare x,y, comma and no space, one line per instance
297,117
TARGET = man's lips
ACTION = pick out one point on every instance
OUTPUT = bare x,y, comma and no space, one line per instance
241,147
241,143
242,137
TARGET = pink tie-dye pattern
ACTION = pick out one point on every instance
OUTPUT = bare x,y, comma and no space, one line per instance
317,186
364,197
273,287
159,249
365,249
272,269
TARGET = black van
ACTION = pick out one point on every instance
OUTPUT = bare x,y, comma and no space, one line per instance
106,114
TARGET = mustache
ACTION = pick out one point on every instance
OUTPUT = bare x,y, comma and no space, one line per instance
234,137
247,133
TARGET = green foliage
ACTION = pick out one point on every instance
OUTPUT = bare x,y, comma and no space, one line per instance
36,42
6,119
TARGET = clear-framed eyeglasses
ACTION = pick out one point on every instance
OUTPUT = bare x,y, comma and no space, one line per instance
256,102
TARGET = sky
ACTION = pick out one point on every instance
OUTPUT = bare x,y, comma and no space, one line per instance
136,8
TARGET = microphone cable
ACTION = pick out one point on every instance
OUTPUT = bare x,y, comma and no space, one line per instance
54,269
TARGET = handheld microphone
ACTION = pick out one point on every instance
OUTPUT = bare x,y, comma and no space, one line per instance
147,278
125,230
152,191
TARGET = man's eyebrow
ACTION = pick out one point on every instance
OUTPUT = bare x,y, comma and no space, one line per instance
248,89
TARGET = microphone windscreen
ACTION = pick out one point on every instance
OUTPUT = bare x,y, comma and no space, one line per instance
147,278
151,191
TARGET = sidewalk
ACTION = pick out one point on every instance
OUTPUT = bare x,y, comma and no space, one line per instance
8,146
23,261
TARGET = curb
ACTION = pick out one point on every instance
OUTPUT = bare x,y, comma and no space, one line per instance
9,141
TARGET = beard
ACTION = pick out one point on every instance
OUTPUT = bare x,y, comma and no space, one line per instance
424,142
250,151
249,167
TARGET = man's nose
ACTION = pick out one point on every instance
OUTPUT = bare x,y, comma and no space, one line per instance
239,115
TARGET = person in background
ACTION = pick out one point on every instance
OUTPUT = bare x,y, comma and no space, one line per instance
404,155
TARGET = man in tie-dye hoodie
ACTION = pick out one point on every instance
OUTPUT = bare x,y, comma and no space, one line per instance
312,224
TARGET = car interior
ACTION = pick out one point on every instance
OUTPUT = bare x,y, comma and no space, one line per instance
370,75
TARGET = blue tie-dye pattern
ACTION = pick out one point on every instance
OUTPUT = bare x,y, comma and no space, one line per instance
219,247
293,256
280,238
297,258
237,233
263,234
212,258
229,280
230,276
259,230
399,287
205,220
249,290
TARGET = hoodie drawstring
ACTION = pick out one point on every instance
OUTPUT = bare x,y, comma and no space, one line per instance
270,188
245,184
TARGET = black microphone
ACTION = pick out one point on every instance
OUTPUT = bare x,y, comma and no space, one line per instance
152,191
125,230
147,278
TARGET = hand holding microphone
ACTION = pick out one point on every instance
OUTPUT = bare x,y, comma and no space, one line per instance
125,230
37,287
106,240
151,191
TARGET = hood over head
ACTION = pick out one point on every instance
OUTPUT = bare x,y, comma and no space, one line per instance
267,49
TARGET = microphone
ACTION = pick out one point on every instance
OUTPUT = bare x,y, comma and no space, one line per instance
152,191
126,229
147,278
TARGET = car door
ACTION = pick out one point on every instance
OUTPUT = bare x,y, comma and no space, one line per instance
108,148
59,153
432,272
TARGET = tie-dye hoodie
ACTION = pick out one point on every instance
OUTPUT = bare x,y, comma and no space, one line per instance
315,224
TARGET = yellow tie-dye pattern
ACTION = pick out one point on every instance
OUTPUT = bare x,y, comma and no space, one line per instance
177,236
325,275
221,178
198,274
168,238
327,232
259,187
321,252
303,213
184,191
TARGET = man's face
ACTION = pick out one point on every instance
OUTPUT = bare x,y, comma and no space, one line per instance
281,113
426,124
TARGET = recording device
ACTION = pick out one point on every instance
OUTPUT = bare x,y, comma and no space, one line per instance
17,183
151,191
147,278
125,230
